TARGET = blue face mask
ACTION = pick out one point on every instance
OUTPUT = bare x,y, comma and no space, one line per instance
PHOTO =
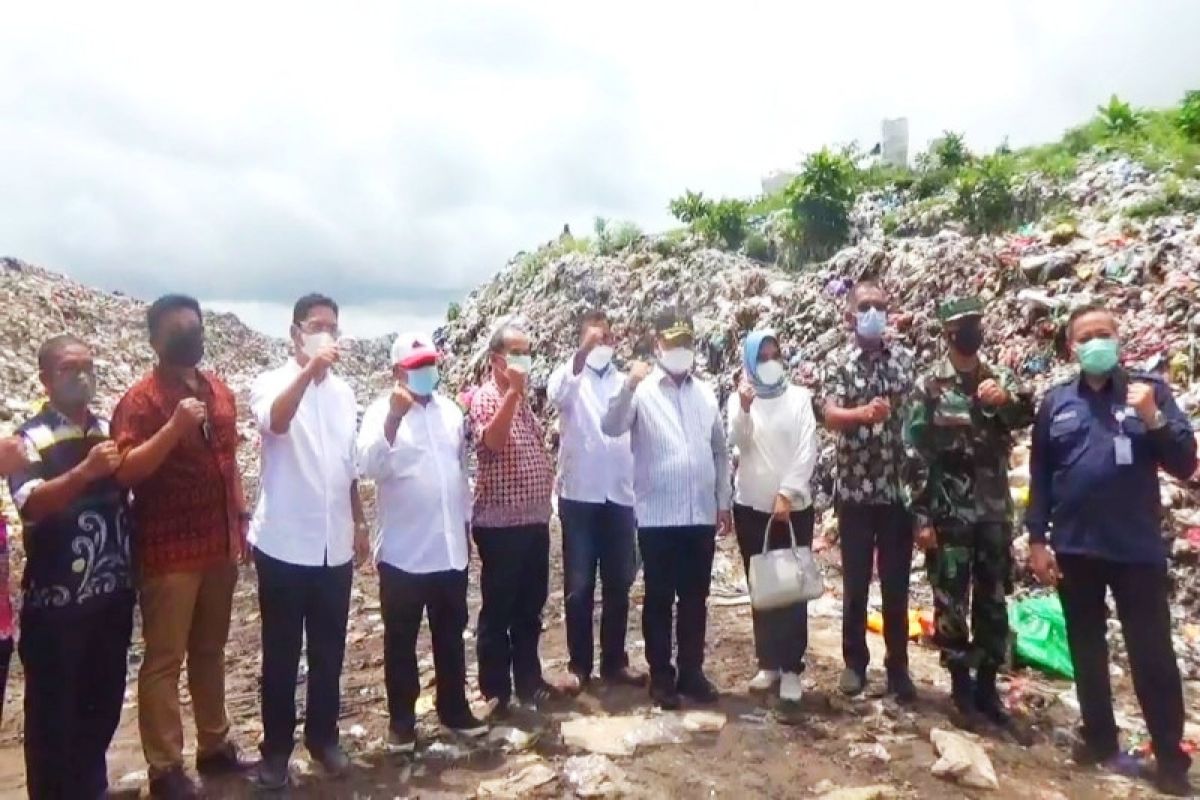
423,380
1098,356
870,324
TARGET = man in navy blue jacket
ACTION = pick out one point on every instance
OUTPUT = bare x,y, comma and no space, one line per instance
1098,444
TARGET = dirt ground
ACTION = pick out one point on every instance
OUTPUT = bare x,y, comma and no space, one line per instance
754,755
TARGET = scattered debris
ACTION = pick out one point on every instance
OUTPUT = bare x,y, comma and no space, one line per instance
962,760
535,775
595,776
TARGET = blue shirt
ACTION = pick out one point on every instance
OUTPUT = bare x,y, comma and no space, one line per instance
1090,504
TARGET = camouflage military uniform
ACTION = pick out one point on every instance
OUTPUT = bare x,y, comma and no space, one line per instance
957,453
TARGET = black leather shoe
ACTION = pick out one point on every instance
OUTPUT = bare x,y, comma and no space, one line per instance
900,685
225,760
333,760
664,695
697,687
272,773
625,676
173,784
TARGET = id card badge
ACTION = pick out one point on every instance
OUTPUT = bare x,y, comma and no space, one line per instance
1124,450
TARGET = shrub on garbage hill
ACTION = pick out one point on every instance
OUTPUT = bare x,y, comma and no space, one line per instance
820,199
984,194
950,151
757,247
612,238
723,222
1120,118
453,312
1189,116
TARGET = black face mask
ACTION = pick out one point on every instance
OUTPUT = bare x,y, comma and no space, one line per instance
968,339
184,348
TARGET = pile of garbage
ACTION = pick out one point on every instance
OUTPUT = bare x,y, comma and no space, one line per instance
1146,270
36,304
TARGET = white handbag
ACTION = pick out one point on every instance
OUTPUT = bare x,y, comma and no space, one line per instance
785,577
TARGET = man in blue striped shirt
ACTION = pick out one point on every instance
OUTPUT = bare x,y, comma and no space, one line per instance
682,496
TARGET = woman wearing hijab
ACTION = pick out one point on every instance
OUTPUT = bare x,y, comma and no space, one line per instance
773,430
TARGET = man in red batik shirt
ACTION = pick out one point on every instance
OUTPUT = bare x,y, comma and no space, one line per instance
177,433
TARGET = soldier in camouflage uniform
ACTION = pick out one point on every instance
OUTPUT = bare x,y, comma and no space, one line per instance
958,435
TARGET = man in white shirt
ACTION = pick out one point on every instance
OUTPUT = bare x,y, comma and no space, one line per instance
412,444
683,495
307,529
595,506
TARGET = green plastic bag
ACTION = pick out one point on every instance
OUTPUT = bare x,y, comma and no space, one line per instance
1040,631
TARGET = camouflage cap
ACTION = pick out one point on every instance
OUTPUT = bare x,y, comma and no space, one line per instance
960,308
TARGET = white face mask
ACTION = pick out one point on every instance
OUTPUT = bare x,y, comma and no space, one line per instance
520,362
677,360
311,343
771,373
600,357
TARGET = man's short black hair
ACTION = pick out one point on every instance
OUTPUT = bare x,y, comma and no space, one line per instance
50,349
307,303
593,316
859,285
165,305
1084,310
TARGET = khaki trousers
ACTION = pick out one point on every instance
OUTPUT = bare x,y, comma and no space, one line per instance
184,614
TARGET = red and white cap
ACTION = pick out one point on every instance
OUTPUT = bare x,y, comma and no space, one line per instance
414,350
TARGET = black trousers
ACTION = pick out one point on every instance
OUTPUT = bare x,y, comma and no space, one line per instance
597,536
514,583
405,597
74,689
309,606
781,634
677,567
1140,592
6,651
864,531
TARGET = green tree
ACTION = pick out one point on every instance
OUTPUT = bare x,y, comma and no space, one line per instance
820,199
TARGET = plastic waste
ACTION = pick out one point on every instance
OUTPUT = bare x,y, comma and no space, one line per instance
915,629
1040,631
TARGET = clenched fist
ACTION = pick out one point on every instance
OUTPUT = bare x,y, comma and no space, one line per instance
1140,397
638,371
746,394
875,411
401,400
101,461
13,455
518,379
189,413
991,394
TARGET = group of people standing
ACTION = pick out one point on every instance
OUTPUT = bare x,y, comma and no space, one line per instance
150,509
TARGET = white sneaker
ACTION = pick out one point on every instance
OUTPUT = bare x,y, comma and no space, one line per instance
765,680
791,688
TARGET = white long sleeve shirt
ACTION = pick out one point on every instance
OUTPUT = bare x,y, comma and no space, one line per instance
776,448
303,515
592,467
680,458
422,497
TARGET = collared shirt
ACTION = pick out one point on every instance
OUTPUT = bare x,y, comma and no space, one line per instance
776,448
680,458
870,458
512,486
303,515
592,467
1090,504
81,554
186,512
422,496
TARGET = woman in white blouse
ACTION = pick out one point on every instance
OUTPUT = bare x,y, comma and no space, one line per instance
773,431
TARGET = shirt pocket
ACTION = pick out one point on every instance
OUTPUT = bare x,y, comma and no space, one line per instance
1068,438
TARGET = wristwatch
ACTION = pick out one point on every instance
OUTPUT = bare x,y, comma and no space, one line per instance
1158,421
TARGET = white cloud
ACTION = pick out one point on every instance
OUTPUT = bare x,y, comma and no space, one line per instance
256,151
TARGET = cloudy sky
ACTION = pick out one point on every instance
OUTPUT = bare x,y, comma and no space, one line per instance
395,154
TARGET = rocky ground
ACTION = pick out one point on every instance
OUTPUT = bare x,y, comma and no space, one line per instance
832,744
